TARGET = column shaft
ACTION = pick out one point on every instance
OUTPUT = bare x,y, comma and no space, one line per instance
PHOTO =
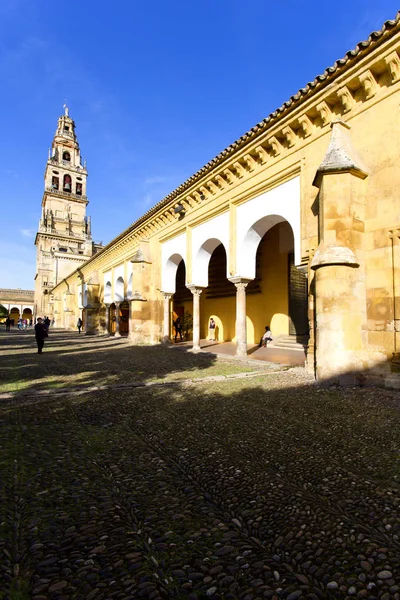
241,328
117,332
196,316
167,319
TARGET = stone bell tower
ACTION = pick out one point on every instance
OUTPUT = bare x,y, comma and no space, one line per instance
64,239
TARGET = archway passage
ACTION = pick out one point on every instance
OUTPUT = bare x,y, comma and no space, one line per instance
112,318
219,299
124,318
182,301
27,314
278,295
14,315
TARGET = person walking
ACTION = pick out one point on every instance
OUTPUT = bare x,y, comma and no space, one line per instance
46,323
8,323
79,324
178,329
40,334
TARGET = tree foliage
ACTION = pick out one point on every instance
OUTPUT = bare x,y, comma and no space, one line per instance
3,312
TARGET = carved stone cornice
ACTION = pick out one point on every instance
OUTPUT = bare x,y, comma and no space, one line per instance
290,136
241,171
369,84
393,63
325,112
262,154
306,125
275,145
251,163
346,98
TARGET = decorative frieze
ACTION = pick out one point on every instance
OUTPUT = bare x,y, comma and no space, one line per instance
393,64
369,84
229,176
290,136
240,170
346,98
325,112
306,125
262,154
275,145
250,162
212,187
220,181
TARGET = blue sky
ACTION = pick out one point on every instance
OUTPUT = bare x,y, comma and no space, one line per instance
156,89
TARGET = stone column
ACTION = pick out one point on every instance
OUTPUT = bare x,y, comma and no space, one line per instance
339,341
196,291
107,325
117,333
241,328
167,318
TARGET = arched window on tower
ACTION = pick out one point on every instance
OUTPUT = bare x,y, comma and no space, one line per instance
79,189
67,183
54,183
66,156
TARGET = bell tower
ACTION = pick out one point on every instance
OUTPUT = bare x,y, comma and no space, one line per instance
64,240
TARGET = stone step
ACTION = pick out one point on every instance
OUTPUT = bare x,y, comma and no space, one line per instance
290,342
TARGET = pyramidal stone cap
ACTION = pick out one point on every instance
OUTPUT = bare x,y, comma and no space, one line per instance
341,156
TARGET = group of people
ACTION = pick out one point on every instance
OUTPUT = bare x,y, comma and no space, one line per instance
178,329
266,338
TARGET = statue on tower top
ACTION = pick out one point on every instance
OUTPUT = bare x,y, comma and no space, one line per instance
66,110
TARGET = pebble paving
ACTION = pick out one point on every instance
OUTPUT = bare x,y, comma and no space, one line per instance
237,488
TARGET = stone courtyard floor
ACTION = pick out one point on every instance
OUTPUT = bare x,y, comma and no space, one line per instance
136,472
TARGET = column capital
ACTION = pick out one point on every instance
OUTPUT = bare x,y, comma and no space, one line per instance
196,290
167,295
240,282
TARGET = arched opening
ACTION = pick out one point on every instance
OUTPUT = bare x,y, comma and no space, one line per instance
67,185
169,273
78,189
124,318
119,290
66,157
182,302
14,315
27,315
218,301
55,182
107,293
112,318
277,296
202,260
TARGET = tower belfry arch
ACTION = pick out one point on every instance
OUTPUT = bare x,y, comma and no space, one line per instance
64,237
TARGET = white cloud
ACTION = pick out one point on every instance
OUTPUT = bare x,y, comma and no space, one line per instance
153,180
30,233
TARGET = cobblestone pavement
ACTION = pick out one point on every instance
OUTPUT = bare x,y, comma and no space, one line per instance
248,488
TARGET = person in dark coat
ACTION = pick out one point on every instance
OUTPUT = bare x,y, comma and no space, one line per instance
178,328
79,324
40,334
